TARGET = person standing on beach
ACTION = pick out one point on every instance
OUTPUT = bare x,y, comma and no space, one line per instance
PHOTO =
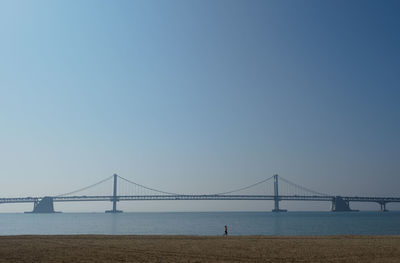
226,231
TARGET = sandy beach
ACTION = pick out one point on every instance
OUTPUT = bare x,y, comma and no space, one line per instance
99,248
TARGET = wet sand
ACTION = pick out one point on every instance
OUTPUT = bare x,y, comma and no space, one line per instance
98,248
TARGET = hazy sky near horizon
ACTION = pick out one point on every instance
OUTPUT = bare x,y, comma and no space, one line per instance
199,97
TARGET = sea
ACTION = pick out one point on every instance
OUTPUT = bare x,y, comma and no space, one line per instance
203,223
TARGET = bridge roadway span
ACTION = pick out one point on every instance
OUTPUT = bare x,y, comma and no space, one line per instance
339,203
85,198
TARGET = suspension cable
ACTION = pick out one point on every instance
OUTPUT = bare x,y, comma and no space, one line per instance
85,188
301,187
148,188
169,193
244,188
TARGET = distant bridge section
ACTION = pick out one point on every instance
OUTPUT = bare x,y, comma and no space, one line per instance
280,190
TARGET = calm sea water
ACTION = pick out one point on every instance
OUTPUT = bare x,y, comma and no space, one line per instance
205,223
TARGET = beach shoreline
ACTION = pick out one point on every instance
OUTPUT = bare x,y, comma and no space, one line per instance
166,248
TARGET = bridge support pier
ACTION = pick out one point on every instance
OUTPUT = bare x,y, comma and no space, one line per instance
383,207
114,199
45,205
276,196
341,205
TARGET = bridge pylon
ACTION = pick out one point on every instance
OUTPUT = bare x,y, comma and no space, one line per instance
276,196
114,198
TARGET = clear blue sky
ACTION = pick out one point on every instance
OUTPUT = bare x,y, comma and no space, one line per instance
199,97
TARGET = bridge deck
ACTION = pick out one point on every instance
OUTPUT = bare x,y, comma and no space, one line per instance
199,197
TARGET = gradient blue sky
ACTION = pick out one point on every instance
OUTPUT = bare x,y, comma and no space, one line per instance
199,97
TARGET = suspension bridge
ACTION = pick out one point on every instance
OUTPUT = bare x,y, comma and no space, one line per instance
274,188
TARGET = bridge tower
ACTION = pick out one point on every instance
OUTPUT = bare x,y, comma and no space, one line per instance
276,196
114,198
